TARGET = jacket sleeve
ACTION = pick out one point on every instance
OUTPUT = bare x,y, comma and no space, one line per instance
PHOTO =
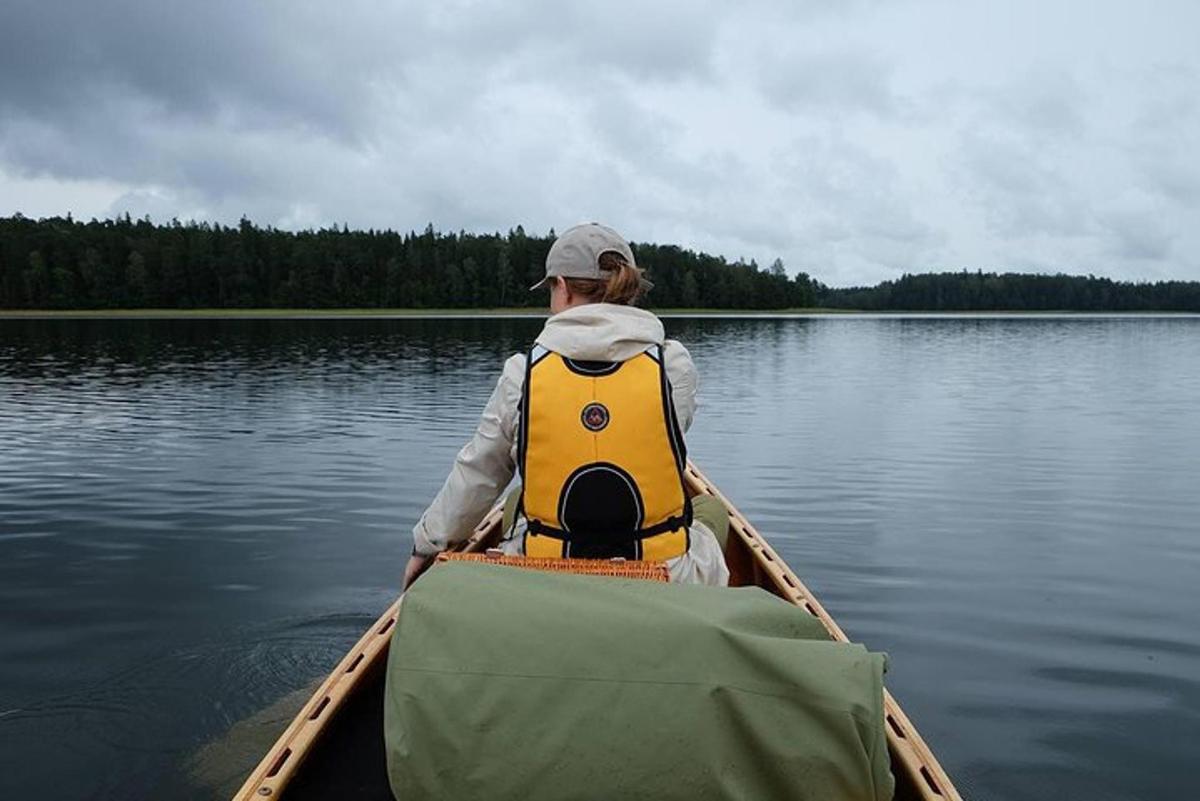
482,469
681,372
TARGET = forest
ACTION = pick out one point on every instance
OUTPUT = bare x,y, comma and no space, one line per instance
62,263
980,291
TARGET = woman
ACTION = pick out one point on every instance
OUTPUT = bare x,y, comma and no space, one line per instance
592,419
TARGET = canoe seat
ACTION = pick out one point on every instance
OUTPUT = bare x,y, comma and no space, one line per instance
617,568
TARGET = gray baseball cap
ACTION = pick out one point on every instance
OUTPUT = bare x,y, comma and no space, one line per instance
576,253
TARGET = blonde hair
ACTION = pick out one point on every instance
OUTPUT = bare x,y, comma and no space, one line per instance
623,285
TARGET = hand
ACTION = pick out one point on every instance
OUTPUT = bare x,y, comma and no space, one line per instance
417,565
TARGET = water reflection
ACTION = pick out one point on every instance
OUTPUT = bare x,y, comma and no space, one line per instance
198,516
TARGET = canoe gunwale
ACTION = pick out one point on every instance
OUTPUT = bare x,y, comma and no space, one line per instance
288,753
913,762
909,750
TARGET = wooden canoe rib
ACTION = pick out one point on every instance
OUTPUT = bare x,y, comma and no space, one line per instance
752,561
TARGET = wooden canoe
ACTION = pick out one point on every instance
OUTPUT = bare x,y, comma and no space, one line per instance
334,747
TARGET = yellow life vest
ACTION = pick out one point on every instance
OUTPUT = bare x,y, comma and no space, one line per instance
601,459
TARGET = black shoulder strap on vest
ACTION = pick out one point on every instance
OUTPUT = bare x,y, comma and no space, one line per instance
670,524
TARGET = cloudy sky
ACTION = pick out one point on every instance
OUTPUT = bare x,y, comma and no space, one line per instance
855,139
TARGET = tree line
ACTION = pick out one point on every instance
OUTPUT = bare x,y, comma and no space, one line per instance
62,263
980,291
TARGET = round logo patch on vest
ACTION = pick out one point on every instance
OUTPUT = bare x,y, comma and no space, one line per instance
594,417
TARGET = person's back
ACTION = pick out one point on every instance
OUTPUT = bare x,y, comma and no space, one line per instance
592,419
600,459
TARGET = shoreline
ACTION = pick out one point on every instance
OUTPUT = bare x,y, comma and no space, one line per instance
532,313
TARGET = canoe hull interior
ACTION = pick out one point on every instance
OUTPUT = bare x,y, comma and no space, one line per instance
349,761
335,746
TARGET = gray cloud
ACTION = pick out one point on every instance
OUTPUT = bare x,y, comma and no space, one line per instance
1020,186
1138,234
224,60
855,141
825,81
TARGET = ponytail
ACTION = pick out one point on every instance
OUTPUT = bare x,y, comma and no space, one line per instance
622,286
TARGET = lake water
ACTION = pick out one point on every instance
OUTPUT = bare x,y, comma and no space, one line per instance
198,517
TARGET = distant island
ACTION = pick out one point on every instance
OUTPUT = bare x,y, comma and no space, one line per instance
59,263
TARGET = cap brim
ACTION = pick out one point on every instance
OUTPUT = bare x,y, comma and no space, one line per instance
540,284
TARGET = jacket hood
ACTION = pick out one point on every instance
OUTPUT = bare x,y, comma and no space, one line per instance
603,332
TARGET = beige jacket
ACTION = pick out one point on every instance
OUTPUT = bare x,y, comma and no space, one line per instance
485,466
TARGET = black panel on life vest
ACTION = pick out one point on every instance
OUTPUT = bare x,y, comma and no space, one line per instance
600,505
583,367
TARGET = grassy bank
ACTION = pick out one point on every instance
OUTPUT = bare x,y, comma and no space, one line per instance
319,314
364,313
262,313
